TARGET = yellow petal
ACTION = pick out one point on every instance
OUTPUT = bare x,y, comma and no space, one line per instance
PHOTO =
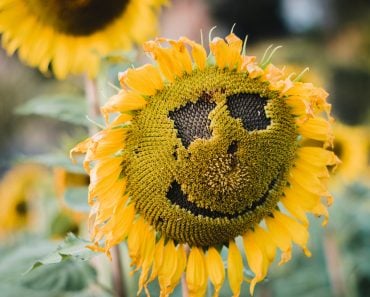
120,228
180,268
196,273
281,238
146,80
255,258
309,181
235,268
215,268
158,258
166,59
135,241
219,49
318,156
147,252
265,242
316,128
122,102
298,232
182,55
197,51
168,267
295,209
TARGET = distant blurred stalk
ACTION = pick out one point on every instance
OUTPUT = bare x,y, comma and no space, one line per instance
93,103
93,110
334,266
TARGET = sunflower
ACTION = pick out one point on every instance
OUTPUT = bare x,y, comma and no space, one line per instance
202,153
64,179
18,188
68,220
73,35
351,146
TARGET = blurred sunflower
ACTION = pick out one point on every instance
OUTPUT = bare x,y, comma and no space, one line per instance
67,220
18,189
351,146
64,179
202,151
73,35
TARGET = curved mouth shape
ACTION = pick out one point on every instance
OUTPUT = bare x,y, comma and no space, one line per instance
178,197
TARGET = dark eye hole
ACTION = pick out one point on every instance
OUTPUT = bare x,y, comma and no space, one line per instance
250,109
191,120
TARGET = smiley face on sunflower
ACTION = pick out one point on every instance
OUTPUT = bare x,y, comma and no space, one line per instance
203,150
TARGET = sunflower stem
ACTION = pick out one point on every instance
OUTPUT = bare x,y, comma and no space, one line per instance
93,111
333,261
117,272
93,104
184,285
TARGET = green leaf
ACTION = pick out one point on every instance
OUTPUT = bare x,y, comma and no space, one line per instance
76,199
70,278
70,275
15,259
70,108
72,247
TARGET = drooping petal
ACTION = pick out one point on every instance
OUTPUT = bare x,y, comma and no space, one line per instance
215,268
196,273
234,268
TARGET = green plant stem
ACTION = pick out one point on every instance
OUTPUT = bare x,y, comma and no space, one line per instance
93,107
333,262
117,273
93,104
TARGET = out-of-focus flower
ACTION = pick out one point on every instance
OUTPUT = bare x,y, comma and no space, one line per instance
68,220
73,35
351,145
18,190
64,179
203,150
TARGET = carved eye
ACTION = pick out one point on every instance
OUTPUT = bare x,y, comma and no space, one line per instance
250,109
191,120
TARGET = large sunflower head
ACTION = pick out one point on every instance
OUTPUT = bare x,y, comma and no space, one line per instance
203,150
73,35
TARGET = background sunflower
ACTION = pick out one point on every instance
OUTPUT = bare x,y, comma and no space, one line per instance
73,36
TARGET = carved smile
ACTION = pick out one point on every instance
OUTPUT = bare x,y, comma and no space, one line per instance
178,197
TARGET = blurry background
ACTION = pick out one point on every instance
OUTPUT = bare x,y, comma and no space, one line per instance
331,36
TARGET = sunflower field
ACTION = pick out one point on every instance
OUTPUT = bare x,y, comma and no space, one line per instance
184,148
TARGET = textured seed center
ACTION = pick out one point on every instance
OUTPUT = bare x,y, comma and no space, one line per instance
77,17
210,155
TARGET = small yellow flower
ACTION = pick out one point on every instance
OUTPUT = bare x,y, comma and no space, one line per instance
73,35
198,156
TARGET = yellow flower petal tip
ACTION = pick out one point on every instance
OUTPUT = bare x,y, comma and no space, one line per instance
205,152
